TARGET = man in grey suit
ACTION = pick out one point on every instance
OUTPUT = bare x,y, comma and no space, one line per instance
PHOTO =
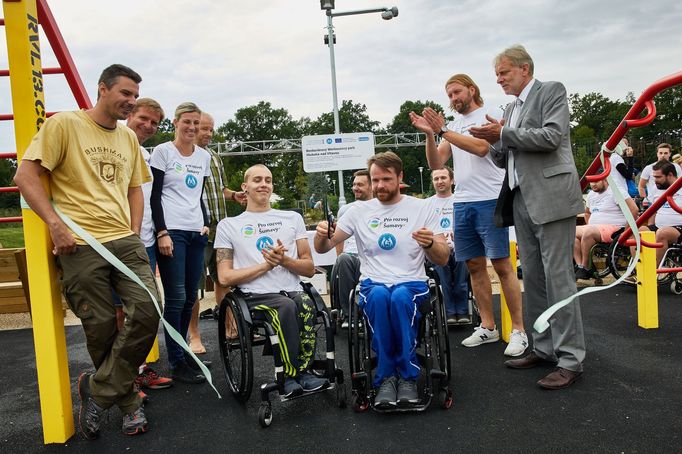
540,197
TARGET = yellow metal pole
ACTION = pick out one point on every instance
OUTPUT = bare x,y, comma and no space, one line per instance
153,355
647,285
504,310
28,105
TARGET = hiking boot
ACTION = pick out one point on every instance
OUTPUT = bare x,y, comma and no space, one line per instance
89,412
518,342
184,374
134,423
151,379
387,395
407,392
292,388
481,336
310,382
582,273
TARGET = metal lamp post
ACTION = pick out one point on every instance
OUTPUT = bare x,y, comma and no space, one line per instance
328,6
421,179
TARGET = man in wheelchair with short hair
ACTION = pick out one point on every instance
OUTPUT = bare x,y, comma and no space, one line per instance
263,252
394,236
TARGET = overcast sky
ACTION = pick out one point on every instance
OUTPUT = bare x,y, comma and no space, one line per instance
229,54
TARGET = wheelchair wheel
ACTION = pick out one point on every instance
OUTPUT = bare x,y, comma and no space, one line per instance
441,340
445,398
265,414
619,258
359,358
236,354
599,258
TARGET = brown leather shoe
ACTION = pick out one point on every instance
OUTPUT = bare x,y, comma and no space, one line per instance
560,378
528,361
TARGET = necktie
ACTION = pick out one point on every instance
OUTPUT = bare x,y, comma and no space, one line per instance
511,170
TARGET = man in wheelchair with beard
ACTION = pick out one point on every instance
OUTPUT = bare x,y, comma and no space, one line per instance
394,236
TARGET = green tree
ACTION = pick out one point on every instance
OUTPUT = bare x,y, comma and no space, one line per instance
353,117
165,133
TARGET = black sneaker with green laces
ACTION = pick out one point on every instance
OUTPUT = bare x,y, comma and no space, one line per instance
89,413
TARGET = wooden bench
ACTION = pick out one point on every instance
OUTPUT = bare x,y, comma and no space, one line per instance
14,296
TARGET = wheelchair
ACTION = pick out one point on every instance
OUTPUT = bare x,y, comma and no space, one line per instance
433,352
237,354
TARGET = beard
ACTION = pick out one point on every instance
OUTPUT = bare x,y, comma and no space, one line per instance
663,186
462,106
385,195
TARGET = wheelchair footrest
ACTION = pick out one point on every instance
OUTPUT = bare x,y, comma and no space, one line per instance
437,373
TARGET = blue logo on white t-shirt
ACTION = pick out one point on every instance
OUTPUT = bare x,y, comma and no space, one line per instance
387,241
191,181
329,141
264,242
445,223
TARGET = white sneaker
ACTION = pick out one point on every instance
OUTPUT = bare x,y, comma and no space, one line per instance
518,342
481,336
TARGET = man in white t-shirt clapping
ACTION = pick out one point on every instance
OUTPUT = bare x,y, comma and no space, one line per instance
264,252
395,233
479,182
603,218
646,185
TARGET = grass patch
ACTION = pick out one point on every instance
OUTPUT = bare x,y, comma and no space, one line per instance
12,235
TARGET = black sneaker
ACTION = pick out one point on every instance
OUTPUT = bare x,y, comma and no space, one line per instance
192,364
582,273
184,374
407,392
310,383
292,388
387,395
134,423
89,413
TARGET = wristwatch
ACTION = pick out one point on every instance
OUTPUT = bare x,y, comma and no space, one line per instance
443,130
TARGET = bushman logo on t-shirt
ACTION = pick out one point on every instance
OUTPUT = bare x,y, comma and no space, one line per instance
264,242
191,181
107,171
387,241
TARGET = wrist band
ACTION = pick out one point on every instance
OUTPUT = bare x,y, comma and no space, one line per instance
429,246
161,235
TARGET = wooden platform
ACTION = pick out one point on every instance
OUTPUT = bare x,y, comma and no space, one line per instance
12,295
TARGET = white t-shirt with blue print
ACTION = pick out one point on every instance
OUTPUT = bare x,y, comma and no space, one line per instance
388,253
443,207
248,233
182,185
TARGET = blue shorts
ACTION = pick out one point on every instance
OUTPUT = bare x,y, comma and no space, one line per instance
476,234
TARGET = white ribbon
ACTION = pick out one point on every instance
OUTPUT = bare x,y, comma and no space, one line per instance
542,322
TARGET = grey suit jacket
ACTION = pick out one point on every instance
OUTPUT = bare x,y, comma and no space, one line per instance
543,159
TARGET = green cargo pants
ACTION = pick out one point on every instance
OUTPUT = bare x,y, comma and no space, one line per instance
87,281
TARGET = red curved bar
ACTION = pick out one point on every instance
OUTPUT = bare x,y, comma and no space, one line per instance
9,189
643,243
8,155
605,173
651,107
673,205
668,270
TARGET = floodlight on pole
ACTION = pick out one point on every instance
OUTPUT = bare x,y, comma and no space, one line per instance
421,179
330,40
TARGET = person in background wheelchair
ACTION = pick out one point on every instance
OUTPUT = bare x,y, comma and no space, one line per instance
346,271
603,218
263,251
394,234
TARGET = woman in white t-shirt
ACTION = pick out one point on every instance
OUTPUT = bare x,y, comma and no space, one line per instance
179,168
